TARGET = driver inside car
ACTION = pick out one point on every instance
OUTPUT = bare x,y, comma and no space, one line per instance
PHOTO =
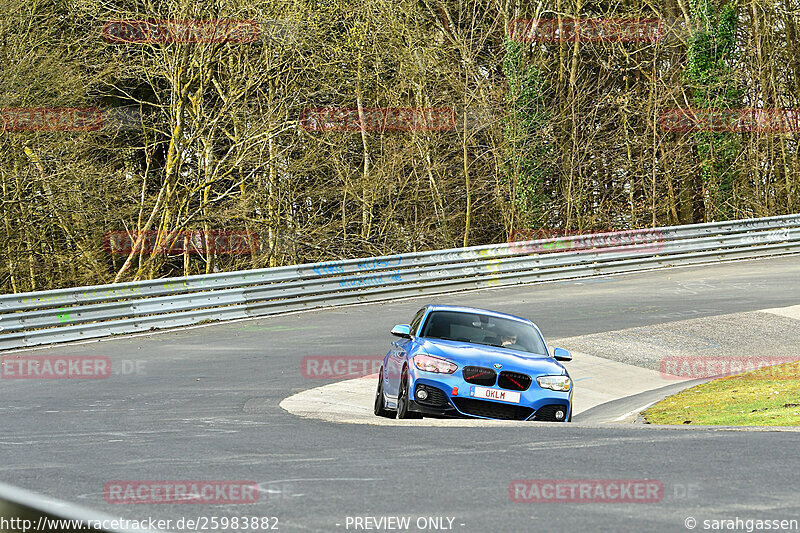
508,340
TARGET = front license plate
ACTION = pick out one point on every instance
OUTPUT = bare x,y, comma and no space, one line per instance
494,394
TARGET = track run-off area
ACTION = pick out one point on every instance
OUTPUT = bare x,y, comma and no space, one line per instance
230,401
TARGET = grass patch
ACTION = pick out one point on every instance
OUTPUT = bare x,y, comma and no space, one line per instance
769,396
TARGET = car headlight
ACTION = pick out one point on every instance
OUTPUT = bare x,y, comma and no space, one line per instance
559,383
428,363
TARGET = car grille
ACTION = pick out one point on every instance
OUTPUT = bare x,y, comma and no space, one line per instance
547,413
514,381
497,410
479,375
436,397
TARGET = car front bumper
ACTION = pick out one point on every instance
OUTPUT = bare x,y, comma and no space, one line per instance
535,403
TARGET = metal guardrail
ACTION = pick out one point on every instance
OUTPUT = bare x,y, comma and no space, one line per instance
23,511
62,315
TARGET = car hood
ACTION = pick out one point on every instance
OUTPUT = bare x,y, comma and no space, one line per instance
463,354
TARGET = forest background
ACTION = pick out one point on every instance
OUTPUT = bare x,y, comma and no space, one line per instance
560,134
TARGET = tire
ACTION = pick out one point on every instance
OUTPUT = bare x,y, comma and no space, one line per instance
402,401
380,406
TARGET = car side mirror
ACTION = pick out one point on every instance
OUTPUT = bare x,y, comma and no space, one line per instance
561,354
402,330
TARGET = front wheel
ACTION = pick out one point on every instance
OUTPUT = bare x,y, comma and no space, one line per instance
380,407
403,403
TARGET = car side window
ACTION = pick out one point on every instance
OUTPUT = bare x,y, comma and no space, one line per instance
416,320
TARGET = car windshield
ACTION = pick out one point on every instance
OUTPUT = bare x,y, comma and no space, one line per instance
476,328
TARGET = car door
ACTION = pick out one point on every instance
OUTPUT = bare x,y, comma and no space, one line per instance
398,356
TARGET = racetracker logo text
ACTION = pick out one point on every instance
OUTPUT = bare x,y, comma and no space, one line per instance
343,366
177,242
731,120
585,30
714,367
556,240
180,31
50,119
208,492
55,367
378,119
586,491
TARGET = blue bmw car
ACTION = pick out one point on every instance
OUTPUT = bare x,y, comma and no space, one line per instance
464,362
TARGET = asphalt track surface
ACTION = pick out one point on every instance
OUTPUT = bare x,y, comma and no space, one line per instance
204,406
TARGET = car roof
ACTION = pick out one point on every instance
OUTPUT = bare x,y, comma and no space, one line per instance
462,309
